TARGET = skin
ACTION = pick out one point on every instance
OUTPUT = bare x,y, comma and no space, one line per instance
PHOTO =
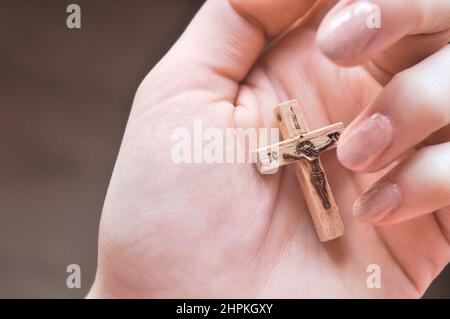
221,230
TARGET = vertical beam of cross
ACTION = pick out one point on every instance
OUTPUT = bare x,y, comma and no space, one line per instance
319,198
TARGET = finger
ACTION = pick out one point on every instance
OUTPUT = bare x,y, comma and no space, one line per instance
416,187
404,54
409,109
441,136
226,37
393,34
443,220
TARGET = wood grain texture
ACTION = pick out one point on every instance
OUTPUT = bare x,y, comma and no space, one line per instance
293,127
270,158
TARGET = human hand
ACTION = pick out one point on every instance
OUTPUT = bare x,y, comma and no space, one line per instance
216,230
412,111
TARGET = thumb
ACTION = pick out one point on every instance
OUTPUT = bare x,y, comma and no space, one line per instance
226,37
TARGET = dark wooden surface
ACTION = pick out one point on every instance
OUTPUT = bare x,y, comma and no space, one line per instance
64,102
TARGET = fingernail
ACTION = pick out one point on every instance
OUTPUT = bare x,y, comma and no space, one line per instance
349,32
366,142
377,203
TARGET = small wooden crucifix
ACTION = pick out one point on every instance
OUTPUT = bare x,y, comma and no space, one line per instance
303,147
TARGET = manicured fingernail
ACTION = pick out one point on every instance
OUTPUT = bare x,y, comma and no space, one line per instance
366,142
349,32
377,203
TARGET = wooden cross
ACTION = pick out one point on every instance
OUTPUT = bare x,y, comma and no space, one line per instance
302,148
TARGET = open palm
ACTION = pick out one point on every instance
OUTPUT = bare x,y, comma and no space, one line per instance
223,230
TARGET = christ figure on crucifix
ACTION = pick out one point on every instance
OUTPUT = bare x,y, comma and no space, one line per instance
306,150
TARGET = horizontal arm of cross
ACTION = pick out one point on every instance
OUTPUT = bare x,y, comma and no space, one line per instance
270,158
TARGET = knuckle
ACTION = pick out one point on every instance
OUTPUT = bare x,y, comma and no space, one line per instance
424,98
435,161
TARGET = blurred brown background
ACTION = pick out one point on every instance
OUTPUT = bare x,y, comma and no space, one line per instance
65,96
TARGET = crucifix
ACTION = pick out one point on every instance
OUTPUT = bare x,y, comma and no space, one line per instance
302,148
